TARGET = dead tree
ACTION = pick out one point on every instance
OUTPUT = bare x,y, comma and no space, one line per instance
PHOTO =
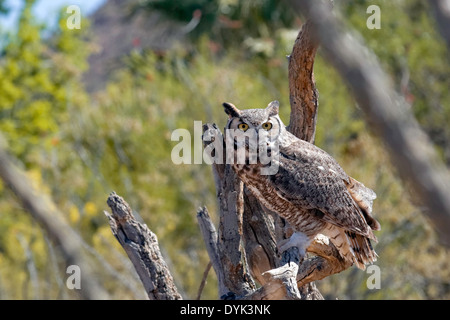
243,249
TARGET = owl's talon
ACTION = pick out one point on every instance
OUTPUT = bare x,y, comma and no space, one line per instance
298,239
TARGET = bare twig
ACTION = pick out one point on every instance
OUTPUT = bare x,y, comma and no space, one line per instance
203,282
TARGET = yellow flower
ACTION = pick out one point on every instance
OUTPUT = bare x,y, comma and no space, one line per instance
90,208
74,215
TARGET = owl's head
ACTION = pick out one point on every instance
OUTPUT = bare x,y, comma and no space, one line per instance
255,130
264,121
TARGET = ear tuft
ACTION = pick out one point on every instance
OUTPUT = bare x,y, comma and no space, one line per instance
273,108
231,110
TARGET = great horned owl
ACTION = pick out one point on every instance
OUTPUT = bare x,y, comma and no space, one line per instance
308,188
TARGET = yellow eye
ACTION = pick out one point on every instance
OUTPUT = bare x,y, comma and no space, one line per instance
267,126
243,126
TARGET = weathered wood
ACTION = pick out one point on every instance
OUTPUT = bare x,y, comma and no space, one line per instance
287,273
272,290
230,243
210,238
326,262
259,238
234,275
303,95
141,246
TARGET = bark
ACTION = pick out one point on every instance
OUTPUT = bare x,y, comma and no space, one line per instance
303,95
230,243
141,246
228,253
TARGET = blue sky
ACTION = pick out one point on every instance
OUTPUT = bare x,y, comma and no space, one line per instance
46,10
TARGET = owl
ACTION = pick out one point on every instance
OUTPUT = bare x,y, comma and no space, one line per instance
301,183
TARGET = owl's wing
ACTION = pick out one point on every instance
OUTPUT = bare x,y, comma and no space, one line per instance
310,178
363,197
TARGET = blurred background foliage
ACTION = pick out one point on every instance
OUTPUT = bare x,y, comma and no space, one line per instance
77,145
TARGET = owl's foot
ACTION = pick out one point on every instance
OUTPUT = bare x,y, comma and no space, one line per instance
298,239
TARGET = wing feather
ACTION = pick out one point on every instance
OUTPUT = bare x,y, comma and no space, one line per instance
310,178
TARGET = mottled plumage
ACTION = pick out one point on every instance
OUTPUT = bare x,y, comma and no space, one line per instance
308,188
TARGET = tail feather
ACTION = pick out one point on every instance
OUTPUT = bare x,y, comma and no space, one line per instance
351,246
362,249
